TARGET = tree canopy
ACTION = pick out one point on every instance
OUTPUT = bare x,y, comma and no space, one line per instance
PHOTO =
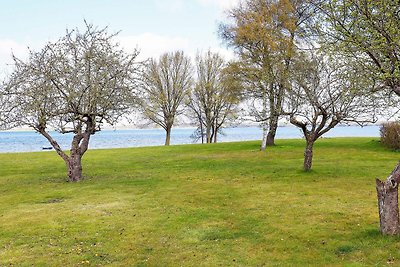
367,31
214,97
265,36
166,82
73,85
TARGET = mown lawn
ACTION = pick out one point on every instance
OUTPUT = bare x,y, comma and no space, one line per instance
198,205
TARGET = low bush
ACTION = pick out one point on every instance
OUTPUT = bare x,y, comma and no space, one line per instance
390,135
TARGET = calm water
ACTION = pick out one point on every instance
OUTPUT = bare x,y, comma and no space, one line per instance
32,141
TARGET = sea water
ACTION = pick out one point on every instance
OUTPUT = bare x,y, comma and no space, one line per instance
26,141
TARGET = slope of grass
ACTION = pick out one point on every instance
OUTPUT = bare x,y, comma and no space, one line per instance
198,205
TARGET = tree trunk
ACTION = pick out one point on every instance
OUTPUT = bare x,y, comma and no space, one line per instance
388,204
308,155
264,137
208,134
75,168
273,126
79,145
168,136
201,132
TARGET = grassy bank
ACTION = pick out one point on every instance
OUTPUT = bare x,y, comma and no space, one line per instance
198,205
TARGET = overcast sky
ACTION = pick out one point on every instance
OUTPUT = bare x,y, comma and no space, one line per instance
153,26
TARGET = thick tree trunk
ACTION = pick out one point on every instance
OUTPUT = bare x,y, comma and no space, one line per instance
79,145
168,136
273,126
308,155
75,168
388,204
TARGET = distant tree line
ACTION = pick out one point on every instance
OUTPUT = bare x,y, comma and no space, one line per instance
207,93
314,63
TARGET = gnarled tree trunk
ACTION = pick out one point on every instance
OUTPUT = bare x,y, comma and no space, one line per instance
388,204
308,155
74,166
79,145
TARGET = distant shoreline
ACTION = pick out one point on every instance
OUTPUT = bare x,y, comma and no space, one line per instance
29,141
152,127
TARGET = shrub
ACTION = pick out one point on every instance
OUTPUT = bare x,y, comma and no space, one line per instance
390,135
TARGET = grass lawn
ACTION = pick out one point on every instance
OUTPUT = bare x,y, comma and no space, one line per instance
198,205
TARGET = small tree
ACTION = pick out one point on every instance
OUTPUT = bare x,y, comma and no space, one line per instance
324,95
215,96
166,83
390,135
72,86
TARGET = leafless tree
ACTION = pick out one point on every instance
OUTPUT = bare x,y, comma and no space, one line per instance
325,93
73,85
166,83
214,98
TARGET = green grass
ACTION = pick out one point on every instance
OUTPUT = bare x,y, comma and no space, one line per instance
198,205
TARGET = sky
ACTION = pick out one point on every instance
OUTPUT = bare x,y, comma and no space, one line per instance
152,26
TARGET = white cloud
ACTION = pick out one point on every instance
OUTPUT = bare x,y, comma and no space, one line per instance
152,46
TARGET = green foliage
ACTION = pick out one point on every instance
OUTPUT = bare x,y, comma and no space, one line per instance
368,31
198,205
390,135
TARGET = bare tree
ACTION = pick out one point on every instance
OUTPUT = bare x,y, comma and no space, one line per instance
166,83
215,96
73,85
324,94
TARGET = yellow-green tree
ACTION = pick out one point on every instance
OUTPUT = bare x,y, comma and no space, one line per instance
264,35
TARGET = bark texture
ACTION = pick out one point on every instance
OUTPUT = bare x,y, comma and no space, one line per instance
388,203
308,155
74,166
79,145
